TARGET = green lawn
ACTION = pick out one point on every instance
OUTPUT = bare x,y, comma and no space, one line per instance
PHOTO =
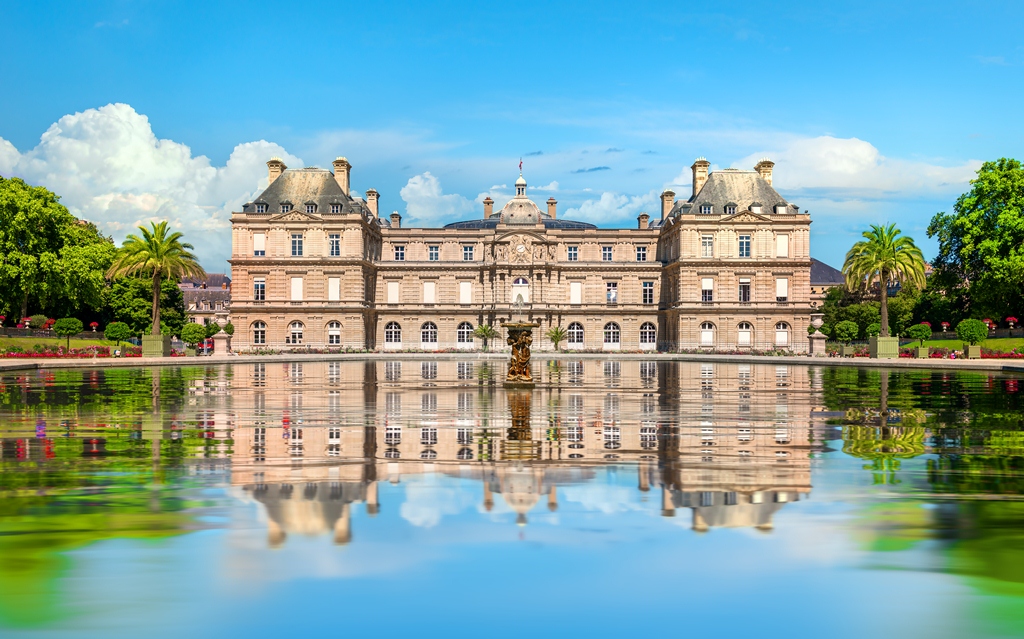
29,342
1004,344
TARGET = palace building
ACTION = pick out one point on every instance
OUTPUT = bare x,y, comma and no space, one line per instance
317,267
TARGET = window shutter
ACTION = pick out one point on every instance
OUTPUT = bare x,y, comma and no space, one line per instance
296,289
392,292
333,289
259,242
575,292
465,292
781,246
782,287
744,280
429,292
707,284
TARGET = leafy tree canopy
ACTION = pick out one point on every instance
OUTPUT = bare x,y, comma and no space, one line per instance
49,260
981,244
117,332
884,257
846,331
920,332
972,331
130,301
193,333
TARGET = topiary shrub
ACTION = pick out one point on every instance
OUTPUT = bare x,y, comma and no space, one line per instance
920,332
846,331
972,331
192,334
229,328
212,329
117,332
68,326
873,330
37,321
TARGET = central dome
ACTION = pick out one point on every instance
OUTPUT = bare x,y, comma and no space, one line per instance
521,209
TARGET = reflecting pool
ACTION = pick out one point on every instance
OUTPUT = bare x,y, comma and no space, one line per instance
421,498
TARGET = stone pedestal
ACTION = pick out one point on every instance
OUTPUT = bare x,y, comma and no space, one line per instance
156,345
817,344
884,347
221,343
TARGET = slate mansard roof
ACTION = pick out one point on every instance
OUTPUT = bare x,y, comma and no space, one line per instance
824,275
742,189
492,222
299,187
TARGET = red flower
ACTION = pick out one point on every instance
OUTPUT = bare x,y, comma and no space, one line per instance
1008,319
928,324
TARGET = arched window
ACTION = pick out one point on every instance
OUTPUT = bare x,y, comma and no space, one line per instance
707,334
334,333
464,334
648,333
259,333
521,281
782,334
745,334
574,335
428,333
521,288
392,333
428,454
612,333
465,453
294,333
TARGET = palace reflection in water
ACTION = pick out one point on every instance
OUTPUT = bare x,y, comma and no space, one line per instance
729,443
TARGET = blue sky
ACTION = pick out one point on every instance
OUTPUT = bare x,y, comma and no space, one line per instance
872,111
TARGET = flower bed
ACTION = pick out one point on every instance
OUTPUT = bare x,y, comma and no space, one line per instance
59,352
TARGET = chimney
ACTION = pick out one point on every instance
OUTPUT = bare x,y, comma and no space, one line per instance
371,200
764,169
275,167
668,200
552,207
488,207
396,220
700,174
341,173
642,221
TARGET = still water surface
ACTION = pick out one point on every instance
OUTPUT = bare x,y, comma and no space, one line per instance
420,498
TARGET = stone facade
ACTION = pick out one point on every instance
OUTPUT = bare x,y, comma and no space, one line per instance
319,268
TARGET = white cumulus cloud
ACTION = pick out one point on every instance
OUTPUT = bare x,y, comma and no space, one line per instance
110,168
615,208
427,205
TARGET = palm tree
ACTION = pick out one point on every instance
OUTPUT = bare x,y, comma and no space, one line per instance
157,254
485,332
886,257
556,334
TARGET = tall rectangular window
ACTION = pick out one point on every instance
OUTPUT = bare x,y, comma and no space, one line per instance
334,239
641,254
429,292
744,293
296,244
465,292
335,208
261,208
392,292
707,289
707,246
781,290
606,254
467,253
781,246
648,292
433,253
334,289
612,292
574,253
259,244
259,289
296,289
399,253
744,246
575,292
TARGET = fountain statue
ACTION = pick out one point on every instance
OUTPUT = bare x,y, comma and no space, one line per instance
520,337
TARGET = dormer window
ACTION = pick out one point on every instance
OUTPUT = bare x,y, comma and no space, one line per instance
286,207
730,209
335,208
755,208
706,209
261,207
310,208
781,209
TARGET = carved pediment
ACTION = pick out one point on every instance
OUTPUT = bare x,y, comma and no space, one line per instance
295,216
745,216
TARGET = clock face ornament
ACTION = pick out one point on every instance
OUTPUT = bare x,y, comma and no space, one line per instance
520,249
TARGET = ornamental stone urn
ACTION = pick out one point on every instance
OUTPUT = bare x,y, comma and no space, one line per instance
817,338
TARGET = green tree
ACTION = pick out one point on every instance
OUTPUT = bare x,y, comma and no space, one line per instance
212,329
884,257
972,331
980,261
159,255
49,260
68,326
846,331
486,332
229,328
193,333
129,301
556,334
920,332
873,330
117,332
